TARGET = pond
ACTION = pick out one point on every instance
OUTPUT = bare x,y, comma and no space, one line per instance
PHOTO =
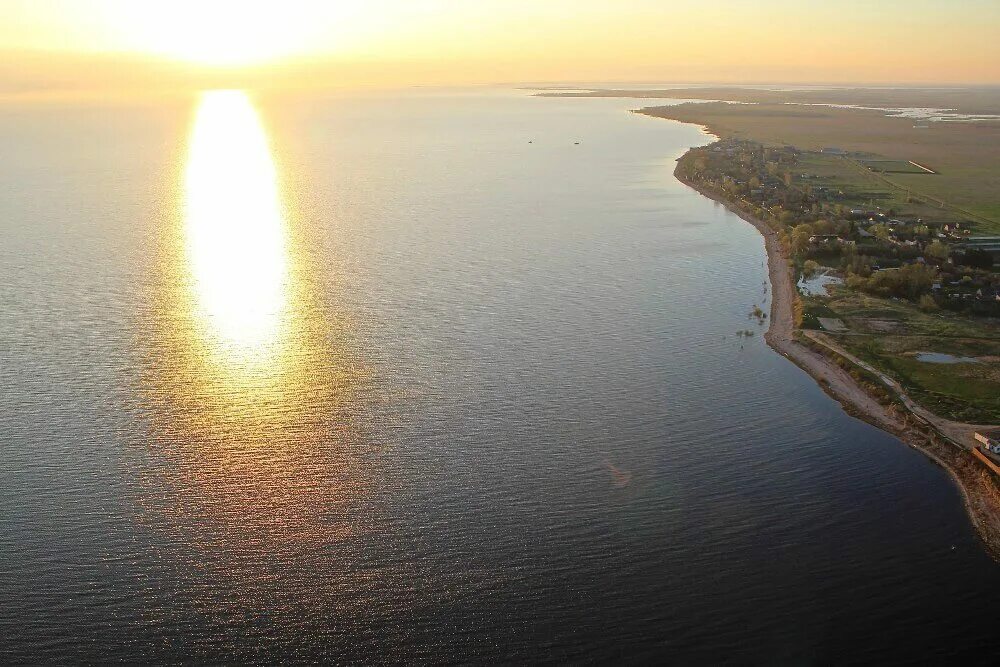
818,283
942,358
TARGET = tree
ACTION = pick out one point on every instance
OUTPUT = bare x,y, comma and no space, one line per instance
909,281
800,238
809,268
859,264
856,282
937,250
880,231
822,227
928,304
917,279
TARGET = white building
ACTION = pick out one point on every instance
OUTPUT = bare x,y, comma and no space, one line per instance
990,440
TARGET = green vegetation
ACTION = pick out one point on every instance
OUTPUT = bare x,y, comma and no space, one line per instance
911,281
812,310
966,156
825,216
889,333
911,285
866,188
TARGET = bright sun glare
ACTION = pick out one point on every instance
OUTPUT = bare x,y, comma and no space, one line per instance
220,32
234,225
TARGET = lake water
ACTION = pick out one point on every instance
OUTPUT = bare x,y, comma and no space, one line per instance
374,378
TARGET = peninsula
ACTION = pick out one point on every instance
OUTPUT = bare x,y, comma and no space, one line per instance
880,230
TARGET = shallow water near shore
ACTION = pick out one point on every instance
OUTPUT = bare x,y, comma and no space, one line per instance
457,380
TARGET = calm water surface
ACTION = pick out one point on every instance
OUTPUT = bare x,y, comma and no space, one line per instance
417,377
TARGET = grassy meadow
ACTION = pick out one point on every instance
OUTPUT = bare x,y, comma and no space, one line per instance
889,334
966,156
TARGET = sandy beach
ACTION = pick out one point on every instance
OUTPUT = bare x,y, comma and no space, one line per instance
938,438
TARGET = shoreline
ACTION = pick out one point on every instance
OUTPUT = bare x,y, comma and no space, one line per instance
979,493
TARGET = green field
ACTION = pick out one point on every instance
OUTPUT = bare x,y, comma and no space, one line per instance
872,169
889,334
965,155
865,188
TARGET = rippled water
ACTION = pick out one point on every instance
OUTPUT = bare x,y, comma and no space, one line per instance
375,378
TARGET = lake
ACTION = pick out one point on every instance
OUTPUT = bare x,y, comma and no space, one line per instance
428,376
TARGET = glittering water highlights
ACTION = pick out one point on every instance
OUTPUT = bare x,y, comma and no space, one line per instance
247,379
236,230
371,378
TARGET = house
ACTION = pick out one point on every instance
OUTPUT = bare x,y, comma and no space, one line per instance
817,239
990,440
988,294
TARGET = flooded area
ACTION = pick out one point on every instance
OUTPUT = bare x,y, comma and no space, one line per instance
942,358
818,284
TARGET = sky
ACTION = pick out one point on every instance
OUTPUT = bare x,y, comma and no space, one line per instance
74,46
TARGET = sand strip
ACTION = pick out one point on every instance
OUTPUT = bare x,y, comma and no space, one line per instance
978,486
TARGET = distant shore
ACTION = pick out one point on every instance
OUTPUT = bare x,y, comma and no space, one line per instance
980,495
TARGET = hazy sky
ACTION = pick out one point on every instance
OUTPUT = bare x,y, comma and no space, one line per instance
51,45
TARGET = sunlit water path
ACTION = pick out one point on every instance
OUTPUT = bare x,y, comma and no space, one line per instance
373,377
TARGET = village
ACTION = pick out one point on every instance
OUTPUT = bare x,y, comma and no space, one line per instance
908,292
938,262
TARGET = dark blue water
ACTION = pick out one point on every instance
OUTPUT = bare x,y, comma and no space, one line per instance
499,411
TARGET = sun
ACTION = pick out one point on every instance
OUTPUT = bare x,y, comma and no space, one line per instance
220,32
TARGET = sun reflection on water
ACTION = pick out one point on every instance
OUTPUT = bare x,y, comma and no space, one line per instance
251,390
235,229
